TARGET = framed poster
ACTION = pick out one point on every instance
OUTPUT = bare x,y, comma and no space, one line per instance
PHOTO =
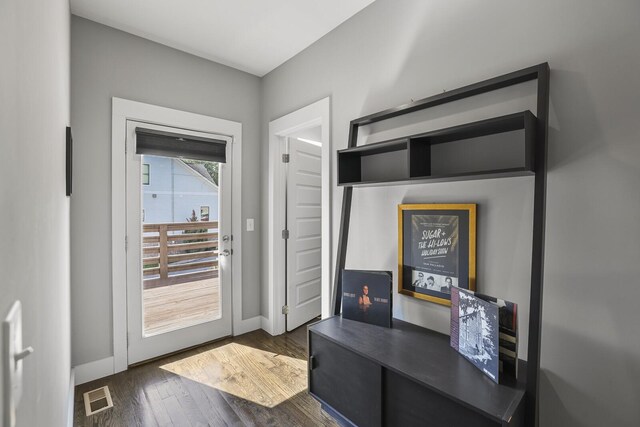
436,250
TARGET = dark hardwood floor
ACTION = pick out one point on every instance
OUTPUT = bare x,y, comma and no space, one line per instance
251,380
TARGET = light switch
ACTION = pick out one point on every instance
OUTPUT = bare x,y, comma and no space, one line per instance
250,224
12,355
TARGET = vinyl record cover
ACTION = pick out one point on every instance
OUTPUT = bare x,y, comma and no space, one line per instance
508,335
475,331
366,296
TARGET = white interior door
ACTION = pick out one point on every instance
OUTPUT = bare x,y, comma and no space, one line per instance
178,250
304,222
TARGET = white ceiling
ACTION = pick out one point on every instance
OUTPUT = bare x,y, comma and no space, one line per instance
255,36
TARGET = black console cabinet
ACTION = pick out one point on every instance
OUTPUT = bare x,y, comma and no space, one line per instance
366,375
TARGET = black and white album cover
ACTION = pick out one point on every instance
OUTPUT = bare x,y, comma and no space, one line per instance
475,331
508,336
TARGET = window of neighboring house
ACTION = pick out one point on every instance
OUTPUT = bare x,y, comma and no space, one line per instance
204,213
145,174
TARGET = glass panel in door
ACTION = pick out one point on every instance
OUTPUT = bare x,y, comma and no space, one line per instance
180,230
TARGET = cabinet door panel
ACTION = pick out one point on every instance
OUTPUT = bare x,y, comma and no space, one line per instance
347,382
407,404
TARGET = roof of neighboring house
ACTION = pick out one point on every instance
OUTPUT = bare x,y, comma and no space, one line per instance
199,167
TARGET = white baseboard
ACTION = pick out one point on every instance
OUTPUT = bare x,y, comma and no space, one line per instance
71,398
247,325
94,370
265,323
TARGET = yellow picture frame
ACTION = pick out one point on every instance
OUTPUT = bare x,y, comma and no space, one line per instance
470,211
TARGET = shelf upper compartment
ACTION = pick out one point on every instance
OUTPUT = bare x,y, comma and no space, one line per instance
425,356
378,147
420,161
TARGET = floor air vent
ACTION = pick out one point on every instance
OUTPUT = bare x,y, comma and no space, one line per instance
97,400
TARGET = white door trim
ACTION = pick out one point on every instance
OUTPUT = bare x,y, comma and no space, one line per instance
316,114
123,110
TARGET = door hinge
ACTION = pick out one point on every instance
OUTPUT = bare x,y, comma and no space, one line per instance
285,309
285,234
285,158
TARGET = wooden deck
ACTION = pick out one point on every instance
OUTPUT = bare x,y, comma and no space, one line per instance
177,306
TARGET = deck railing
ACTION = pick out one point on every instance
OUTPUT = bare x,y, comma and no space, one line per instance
179,252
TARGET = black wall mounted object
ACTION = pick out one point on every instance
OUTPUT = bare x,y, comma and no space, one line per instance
418,147
69,165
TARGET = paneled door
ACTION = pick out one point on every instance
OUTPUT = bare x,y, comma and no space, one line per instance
304,223
179,243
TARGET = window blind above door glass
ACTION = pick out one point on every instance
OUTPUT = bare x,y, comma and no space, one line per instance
168,144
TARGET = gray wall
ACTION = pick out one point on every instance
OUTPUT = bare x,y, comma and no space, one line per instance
398,50
34,211
105,63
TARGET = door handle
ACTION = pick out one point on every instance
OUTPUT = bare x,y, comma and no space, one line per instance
312,363
225,253
22,354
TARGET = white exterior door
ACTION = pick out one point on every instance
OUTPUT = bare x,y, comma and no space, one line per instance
304,222
178,268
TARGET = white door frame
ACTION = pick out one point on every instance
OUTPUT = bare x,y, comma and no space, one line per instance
316,114
123,110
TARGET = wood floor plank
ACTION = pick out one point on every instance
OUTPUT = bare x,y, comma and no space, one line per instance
156,405
212,412
135,400
186,400
141,409
251,380
211,403
175,411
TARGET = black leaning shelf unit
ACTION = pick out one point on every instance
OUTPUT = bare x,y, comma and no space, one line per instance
335,349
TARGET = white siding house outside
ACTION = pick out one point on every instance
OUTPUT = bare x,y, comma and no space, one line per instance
175,189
